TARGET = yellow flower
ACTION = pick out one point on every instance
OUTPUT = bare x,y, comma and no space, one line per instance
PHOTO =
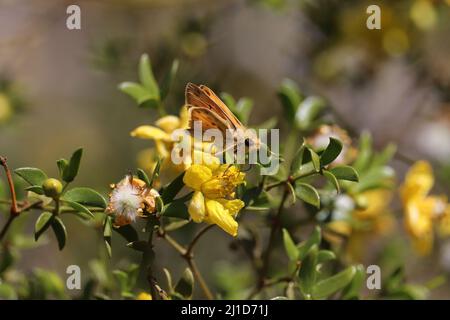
144,296
422,211
214,186
367,219
166,146
161,133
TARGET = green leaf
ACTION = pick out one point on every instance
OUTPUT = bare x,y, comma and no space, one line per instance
313,240
185,286
33,176
384,156
351,291
289,246
307,112
146,76
229,101
174,225
7,292
331,152
107,227
122,279
332,179
140,245
128,232
168,279
307,274
60,232
143,176
290,98
107,233
308,193
364,152
42,224
155,173
267,124
35,189
71,171
168,79
345,173
243,108
172,189
137,92
292,192
325,255
62,165
85,196
315,159
81,215
297,160
328,286
176,209
79,208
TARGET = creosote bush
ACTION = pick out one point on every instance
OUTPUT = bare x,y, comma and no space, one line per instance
305,231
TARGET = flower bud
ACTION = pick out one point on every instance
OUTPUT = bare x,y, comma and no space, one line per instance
52,187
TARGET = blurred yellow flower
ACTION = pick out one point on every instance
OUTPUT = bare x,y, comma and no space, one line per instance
213,200
5,108
421,210
423,14
368,218
161,133
144,296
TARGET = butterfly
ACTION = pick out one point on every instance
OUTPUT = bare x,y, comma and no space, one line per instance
206,107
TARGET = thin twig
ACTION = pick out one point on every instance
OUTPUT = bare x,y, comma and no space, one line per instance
6,226
266,259
187,255
197,237
14,210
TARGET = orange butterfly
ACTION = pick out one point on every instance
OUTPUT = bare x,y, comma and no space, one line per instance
205,106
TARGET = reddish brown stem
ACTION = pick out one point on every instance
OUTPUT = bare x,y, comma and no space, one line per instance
14,210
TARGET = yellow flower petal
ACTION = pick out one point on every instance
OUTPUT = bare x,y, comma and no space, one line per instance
184,118
377,203
418,218
424,244
218,214
336,231
418,181
196,175
162,149
197,207
233,206
150,132
214,188
203,158
144,296
168,123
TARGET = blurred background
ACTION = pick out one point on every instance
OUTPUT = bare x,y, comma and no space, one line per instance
58,90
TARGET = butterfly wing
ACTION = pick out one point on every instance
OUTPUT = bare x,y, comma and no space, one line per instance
223,107
208,119
203,97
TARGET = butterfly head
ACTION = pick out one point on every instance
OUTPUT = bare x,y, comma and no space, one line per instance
251,140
